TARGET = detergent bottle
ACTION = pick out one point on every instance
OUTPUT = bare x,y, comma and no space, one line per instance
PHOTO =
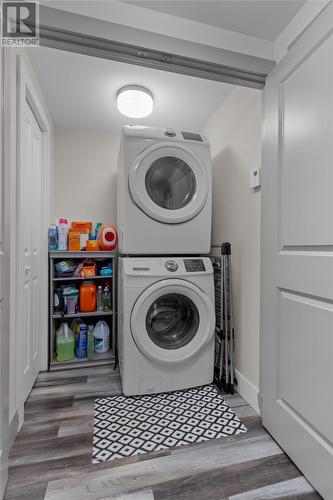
64,343
102,337
63,230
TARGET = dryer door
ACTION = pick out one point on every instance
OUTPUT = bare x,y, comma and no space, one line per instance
172,320
169,183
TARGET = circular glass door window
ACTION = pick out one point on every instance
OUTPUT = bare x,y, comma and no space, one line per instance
172,321
170,183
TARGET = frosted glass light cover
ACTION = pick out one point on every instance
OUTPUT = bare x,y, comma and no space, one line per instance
135,101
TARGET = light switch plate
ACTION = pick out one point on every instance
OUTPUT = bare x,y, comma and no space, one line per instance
254,178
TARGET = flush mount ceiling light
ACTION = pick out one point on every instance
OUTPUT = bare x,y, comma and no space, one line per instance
135,101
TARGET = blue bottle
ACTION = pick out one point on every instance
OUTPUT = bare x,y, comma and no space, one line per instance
53,238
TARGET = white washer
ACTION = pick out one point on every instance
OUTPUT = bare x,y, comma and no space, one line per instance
166,323
164,192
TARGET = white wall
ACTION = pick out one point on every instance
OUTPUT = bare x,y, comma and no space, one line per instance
85,175
234,132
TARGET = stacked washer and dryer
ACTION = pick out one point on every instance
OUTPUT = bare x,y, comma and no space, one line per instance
166,316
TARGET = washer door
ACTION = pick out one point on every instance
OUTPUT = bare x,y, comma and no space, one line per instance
172,320
169,183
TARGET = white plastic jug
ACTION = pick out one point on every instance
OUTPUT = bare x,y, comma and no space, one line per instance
101,337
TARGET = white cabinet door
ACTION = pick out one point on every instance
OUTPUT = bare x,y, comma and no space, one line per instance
29,252
297,254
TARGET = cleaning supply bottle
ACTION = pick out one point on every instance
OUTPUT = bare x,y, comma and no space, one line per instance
100,298
90,345
58,301
102,337
64,343
63,230
98,225
88,296
53,237
106,299
80,331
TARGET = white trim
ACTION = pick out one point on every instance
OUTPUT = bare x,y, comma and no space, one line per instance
64,30
296,26
166,24
248,391
27,91
4,286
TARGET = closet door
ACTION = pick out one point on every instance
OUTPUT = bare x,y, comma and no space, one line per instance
297,254
29,252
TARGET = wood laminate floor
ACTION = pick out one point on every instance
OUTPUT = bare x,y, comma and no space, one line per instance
51,456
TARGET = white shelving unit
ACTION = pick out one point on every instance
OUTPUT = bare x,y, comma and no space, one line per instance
57,318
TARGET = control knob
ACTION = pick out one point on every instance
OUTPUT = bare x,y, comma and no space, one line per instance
171,265
170,132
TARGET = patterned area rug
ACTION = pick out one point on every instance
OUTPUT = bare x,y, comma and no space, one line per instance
125,426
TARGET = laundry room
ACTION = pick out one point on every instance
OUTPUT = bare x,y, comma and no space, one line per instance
80,96
165,284
131,251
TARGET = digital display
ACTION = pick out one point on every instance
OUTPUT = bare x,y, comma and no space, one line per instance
192,137
194,265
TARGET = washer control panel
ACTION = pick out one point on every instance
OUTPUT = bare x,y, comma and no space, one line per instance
171,265
194,265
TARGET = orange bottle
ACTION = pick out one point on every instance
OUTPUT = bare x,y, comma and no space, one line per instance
107,238
88,296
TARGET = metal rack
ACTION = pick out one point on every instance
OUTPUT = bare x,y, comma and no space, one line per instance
224,362
55,318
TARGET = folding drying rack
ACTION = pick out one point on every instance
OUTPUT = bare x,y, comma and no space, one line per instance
224,363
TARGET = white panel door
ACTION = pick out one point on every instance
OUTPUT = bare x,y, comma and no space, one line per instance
29,244
297,254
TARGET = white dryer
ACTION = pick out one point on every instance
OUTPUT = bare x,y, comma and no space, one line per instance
166,323
164,192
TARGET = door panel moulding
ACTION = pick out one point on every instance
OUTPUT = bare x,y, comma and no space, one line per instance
88,36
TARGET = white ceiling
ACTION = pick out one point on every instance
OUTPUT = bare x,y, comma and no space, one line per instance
80,92
264,19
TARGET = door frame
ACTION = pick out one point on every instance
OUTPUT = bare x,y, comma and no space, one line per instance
27,92
58,31
4,285
73,32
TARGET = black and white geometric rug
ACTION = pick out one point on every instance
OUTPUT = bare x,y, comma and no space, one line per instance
125,426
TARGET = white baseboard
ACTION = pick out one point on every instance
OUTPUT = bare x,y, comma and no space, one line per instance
248,391
11,432
13,429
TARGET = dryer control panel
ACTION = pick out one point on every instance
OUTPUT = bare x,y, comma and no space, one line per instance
189,136
194,265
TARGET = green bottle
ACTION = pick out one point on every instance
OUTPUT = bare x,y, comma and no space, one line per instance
64,343
106,299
